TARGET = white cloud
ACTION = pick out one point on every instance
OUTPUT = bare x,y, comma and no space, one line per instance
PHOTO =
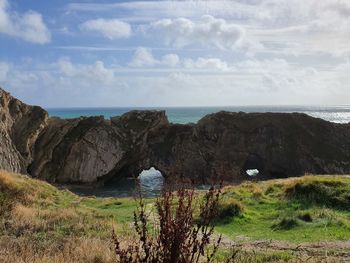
151,10
171,60
28,26
208,31
293,28
143,57
206,63
261,82
93,73
196,55
4,69
111,29
303,27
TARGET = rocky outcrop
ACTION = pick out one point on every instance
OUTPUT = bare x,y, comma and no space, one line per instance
225,145
86,149
221,146
20,125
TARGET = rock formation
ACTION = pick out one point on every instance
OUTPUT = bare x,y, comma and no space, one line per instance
221,146
20,125
87,149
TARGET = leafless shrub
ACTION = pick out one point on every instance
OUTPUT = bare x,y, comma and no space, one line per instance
178,236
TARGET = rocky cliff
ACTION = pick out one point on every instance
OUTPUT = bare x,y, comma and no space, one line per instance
20,126
223,145
88,149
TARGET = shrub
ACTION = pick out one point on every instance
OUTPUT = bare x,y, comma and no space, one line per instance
177,237
305,217
227,209
285,223
327,192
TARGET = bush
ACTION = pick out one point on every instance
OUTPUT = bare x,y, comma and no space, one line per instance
285,223
227,209
306,217
176,236
327,192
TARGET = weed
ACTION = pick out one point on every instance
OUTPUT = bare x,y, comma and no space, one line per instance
327,192
227,209
285,224
306,217
177,237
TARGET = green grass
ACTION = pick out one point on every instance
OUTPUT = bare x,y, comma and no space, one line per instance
305,209
272,211
255,256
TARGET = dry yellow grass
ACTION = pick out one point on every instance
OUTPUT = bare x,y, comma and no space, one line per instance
23,213
39,223
23,250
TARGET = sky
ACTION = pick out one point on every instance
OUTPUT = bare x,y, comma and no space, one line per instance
61,53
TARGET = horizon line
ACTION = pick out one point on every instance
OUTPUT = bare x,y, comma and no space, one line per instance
206,106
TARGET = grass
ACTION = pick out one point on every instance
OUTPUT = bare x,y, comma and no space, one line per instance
289,210
39,223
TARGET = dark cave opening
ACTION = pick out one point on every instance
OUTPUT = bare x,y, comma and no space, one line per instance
253,166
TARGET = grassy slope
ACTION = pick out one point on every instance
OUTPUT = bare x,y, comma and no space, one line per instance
40,223
292,209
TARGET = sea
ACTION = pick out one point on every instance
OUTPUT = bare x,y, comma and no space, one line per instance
183,115
150,183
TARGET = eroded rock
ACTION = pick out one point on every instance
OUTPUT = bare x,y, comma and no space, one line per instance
20,126
221,146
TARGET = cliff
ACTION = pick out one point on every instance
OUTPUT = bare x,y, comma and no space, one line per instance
20,126
221,146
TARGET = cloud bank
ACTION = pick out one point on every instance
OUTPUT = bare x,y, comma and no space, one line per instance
207,31
111,29
28,26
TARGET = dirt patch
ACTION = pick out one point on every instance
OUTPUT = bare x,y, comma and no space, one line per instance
324,251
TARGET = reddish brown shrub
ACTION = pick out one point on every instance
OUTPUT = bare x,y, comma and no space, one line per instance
177,237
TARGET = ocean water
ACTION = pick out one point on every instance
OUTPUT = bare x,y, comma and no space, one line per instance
151,182
338,114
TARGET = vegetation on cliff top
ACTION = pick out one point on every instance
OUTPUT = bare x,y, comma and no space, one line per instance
40,223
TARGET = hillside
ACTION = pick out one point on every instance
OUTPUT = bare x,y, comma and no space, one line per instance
278,220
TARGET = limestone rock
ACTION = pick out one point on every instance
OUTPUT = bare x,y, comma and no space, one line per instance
221,146
86,149
20,126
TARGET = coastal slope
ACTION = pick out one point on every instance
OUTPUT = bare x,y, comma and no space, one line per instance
302,219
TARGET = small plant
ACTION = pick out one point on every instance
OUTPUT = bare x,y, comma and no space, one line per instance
306,217
325,192
177,237
285,223
228,209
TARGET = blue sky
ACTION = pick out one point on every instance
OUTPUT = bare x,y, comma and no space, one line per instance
175,53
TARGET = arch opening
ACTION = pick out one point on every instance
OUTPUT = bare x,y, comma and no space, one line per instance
151,181
253,166
128,182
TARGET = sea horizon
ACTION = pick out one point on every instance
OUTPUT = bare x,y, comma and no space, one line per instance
191,114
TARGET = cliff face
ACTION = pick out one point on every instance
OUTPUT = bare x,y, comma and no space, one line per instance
223,145
86,149
20,125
